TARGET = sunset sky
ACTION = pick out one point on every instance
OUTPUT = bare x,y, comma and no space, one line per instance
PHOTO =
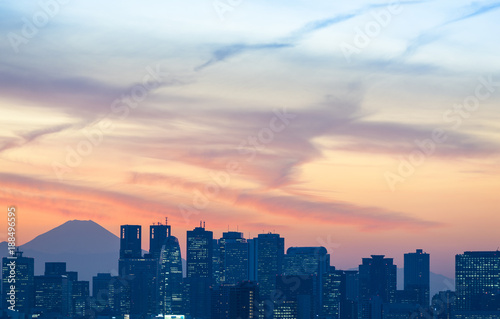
365,128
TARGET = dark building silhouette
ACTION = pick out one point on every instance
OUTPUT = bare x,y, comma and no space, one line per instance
377,285
130,241
23,285
270,249
53,290
100,291
299,289
417,275
477,278
235,301
141,275
244,300
350,307
308,261
220,302
233,258
139,272
157,236
170,278
80,299
334,293
119,290
199,250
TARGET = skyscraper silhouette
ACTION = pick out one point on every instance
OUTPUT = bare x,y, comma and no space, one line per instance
170,278
308,261
233,258
298,289
100,291
138,272
417,275
270,249
80,298
130,241
199,271
377,285
333,292
157,235
53,290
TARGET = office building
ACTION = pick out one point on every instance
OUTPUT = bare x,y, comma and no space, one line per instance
158,233
53,290
233,258
377,285
170,278
199,250
270,249
334,292
300,289
100,291
130,241
308,261
24,282
417,275
477,278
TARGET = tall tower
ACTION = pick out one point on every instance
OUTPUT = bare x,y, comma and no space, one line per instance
308,261
157,235
417,275
233,258
270,249
130,241
139,273
170,278
377,285
199,270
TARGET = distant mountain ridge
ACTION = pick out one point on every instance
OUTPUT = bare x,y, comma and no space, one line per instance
89,248
84,245
82,236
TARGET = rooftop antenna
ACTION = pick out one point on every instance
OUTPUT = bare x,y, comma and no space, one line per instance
200,223
166,220
203,224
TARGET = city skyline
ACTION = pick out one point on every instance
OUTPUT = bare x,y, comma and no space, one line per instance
180,234
357,126
301,284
